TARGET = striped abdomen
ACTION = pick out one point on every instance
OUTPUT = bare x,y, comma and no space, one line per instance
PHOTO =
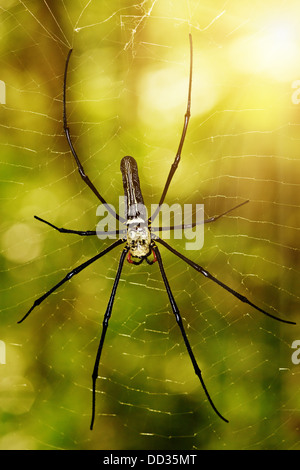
138,233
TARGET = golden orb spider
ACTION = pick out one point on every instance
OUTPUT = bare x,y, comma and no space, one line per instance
140,240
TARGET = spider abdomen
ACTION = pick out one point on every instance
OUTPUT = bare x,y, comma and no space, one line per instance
138,232
134,201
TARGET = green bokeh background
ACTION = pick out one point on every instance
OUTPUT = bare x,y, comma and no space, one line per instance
127,89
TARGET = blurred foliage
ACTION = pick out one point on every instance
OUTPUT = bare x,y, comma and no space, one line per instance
127,91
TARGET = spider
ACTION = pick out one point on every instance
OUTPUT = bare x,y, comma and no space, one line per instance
139,241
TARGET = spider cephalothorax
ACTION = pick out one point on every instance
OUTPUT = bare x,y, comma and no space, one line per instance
139,240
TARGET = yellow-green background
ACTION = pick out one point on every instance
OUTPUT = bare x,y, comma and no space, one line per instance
127,89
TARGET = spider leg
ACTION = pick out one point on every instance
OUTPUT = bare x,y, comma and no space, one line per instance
104,329
183,333
79,165
81,232
66,230
182,139
205,273
72,273
205,221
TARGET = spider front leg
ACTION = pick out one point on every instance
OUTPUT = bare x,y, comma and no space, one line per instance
72,273
104,330
208,275
183,333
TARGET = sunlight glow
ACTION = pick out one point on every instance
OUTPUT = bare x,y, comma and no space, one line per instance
164,93
273,50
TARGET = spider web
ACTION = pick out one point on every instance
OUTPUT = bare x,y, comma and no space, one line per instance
127,90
